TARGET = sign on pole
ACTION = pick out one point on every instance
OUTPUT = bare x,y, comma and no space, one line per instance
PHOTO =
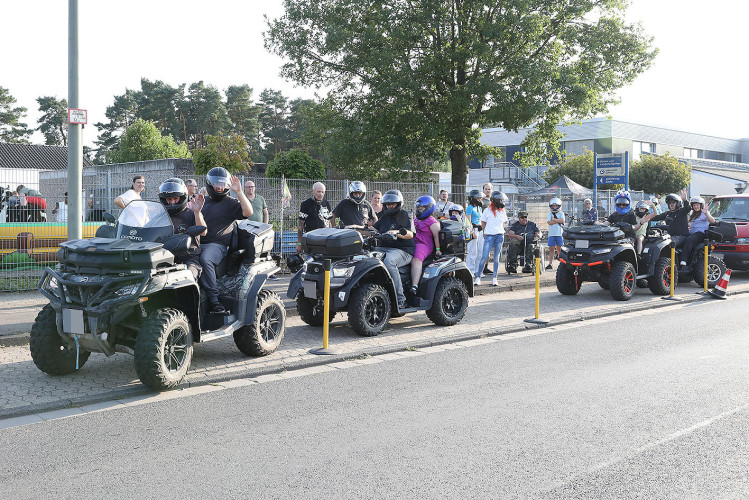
612,168
77,116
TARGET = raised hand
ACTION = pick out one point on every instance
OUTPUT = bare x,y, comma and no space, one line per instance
236,186
196,204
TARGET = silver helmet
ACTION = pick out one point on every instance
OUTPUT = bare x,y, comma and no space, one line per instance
357,187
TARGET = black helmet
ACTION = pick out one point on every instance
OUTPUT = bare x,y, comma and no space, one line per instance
173,188
217,177
392,196
499,199
674,197
474,197
357,187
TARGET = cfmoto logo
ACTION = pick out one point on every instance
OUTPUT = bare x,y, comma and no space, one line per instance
133,232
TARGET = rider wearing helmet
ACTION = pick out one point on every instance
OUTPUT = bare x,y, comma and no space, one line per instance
676,217
220,212
555,220
624,213
400,249
473,216
427,237
699,221
521,233
173,195
354,210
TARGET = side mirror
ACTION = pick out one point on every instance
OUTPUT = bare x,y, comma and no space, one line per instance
195,230
109,217
105,231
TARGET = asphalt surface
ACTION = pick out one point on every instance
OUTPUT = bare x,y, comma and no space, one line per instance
647,404
25,390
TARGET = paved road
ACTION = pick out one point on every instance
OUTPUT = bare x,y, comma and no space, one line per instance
651,404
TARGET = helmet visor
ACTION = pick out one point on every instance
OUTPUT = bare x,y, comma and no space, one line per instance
219,182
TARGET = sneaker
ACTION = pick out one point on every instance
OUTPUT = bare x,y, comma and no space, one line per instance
494,282
218,308
477,281
549,268
527,269
682,263
273,277
414,290
402,304
512,270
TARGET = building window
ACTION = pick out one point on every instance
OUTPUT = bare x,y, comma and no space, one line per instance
691,153
641,147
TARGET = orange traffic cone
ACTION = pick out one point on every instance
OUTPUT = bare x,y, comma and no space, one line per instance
719,292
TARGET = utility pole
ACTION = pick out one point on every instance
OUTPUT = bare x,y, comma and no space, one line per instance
75,143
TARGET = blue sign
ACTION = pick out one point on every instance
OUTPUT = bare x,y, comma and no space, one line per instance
612,169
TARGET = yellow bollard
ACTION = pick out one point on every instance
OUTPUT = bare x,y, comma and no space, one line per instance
536,319
706,256
326,313
673,275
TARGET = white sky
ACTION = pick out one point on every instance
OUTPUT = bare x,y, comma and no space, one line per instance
695,84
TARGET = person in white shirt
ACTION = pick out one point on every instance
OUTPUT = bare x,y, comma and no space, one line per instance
139,184
493,222
61,210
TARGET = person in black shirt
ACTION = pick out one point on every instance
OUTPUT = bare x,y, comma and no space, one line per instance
314,213
517,235
173,195
400,249
355,211
220,213
676,217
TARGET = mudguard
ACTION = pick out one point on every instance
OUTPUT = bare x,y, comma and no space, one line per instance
451,264
343,293
295,284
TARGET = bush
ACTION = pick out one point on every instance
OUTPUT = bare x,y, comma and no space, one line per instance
295,164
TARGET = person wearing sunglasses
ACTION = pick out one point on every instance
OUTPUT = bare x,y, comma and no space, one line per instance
623,213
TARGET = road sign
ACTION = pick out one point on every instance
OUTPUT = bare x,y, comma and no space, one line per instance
611,168
77,116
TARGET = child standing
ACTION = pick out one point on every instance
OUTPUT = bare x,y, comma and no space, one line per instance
556,223
427,238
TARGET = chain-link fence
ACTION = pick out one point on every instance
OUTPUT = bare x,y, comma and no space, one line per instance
29,236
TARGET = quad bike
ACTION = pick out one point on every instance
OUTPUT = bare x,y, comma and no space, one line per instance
361,285
125,293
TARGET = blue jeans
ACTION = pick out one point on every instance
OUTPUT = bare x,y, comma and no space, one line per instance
491,241
395,258
211,255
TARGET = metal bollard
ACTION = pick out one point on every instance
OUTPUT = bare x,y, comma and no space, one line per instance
673,274
326,313
536,319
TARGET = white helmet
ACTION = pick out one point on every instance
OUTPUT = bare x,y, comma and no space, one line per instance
357,187
697,199
555,201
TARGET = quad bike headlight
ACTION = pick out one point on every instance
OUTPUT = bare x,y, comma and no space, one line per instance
127,290
597,251
343,272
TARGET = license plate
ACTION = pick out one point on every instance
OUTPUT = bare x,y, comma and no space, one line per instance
717,255
310,289
581,244
72,321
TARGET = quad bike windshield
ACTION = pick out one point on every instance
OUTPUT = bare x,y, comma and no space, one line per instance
145,220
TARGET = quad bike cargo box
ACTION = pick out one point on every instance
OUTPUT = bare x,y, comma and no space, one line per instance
255,238
595,232
116,254
451,237
332,242
726,229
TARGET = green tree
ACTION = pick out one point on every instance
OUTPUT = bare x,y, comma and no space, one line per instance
243,113
11,127
295,164
53,123
274,110
120,115
230,152
142,141
158,102
206,114
422,76
659,174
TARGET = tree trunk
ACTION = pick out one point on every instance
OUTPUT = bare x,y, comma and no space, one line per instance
459,167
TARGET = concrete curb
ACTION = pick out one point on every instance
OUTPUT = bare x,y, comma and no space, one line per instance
141,390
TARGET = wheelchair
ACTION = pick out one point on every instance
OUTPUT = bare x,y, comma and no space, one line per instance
528,241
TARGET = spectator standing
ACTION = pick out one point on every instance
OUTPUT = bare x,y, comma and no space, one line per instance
137,187
376,203
192,188
314,213
259,206
493,222
94,213
655,201
476,244
488,189
220,213
355,211
555,220
590,214
442,206
61,209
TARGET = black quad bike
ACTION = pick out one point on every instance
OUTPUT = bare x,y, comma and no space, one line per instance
361,285
716,268
122,292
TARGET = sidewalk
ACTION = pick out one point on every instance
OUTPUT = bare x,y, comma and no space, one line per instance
24,389
19,310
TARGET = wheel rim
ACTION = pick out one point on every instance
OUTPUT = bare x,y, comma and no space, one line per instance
270,323
713,272
175,349
374,311
667,277
629,280
452,302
